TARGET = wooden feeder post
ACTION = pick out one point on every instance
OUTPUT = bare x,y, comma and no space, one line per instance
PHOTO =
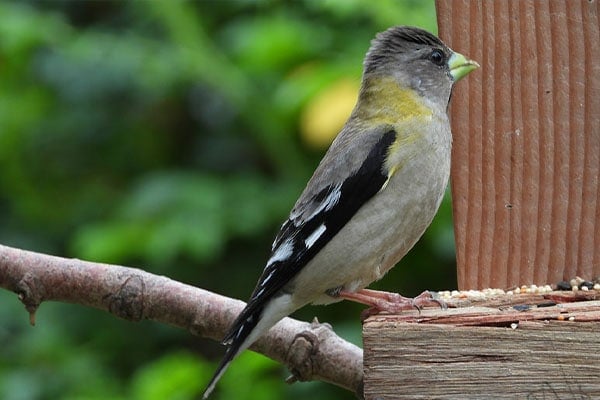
526,149
526,201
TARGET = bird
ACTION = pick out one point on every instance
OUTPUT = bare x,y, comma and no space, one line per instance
371,197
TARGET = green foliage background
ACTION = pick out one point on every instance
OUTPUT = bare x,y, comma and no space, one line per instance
165,135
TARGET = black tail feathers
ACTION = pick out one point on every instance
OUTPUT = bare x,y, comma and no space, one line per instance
236,339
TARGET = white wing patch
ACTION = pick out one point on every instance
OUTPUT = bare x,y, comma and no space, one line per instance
309,241
263,285
283,252
333,197
327,204
267,279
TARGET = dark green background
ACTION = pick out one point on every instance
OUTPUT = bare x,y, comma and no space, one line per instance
165,135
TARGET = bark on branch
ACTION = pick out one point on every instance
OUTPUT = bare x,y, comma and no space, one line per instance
312,351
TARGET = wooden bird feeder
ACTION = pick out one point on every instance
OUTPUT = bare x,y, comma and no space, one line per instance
526,202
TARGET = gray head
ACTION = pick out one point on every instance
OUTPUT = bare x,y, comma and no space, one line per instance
417,60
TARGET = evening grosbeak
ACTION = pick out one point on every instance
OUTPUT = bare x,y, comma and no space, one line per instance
372,196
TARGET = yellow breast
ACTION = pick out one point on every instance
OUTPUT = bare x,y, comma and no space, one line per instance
383,101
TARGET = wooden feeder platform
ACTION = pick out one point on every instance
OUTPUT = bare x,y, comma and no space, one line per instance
510,346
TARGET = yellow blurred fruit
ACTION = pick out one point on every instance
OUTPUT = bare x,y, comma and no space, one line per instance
324,116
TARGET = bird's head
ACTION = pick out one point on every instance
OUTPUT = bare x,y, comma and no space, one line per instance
416,60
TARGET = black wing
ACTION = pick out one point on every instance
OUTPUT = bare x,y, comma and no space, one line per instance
300,239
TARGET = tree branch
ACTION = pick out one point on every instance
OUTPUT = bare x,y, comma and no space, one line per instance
312,351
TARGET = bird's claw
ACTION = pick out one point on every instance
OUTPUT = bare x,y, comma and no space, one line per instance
393,303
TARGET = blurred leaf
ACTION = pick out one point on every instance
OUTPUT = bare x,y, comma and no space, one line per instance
262,44
384,13
324,117
166,214
175,376
170,214
109,242
251,377
19,31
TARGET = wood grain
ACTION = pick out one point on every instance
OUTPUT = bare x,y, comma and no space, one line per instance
526,153
534,361
484,351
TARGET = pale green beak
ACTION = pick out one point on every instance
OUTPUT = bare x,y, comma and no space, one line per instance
460,66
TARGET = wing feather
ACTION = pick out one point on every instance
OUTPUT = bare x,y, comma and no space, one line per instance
312,225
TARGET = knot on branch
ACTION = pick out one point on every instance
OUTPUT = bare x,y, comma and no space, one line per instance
302,351
128,301
31,293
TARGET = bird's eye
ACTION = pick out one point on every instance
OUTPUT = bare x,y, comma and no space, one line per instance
437,57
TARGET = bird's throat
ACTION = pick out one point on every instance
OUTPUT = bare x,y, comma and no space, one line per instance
383,101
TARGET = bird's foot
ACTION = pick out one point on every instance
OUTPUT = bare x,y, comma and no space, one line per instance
390,302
